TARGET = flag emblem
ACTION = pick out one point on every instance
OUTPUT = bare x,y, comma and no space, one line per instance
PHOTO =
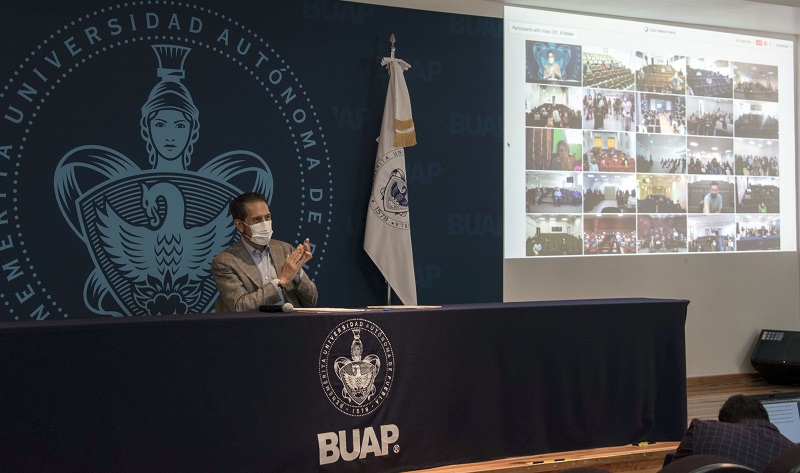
395,194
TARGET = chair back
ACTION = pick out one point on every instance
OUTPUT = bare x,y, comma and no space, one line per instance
705,464
789,462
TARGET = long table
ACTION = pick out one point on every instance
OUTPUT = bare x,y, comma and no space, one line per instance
356,390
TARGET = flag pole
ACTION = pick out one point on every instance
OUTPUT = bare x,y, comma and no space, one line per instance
389,286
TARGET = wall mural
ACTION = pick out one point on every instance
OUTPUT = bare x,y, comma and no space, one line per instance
128,127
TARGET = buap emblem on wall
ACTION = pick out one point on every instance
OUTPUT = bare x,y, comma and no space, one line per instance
110,106
357,367
151,232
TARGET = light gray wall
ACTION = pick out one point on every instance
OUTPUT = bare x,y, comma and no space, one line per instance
732,297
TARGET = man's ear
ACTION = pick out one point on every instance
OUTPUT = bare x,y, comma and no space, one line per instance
239,225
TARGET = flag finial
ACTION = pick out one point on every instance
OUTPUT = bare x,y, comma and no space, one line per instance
392,40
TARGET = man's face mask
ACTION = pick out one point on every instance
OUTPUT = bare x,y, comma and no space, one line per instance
262,232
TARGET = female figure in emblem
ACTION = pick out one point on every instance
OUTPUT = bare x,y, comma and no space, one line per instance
170,123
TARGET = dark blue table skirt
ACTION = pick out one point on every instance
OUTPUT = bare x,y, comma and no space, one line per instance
294,392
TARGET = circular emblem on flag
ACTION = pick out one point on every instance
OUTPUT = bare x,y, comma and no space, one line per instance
389,199
356,367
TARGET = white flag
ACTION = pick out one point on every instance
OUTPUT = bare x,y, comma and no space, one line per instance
387,238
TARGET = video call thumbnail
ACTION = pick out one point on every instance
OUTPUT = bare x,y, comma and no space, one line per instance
553,63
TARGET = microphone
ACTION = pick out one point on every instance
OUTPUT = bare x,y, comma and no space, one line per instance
287,307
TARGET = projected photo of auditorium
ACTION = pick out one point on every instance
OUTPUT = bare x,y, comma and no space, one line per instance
553,235
711,194
553,192
552,63
709,77
552,150
661,114
711,233
662,234
608,151
758,232
709,116
756,119
609,193
605,68
609,235
758,195
553,106
611,110
755,82
662,154
661,194
660,74
756,157
709,155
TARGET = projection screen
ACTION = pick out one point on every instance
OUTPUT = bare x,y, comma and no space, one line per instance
630,138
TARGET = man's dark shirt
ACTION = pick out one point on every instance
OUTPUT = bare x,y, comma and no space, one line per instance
754,443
